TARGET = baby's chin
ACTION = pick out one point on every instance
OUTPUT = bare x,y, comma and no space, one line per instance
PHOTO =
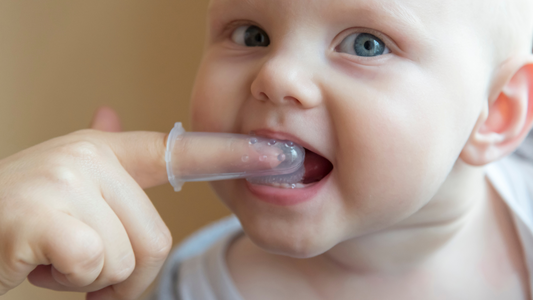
301,231
289,238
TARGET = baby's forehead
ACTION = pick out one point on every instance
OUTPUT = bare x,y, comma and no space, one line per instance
402,8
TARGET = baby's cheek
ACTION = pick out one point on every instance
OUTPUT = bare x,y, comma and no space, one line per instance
386,168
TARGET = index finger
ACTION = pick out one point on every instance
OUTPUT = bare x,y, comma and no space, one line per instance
216,156
201,156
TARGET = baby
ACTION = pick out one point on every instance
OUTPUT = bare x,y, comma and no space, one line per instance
399,104
406,109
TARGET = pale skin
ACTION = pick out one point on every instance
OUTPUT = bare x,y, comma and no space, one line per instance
406,212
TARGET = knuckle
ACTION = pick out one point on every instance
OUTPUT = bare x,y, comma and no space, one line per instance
90,260
13,271
118,276
5,285
70,161
81,150
86,251
14,262
163,245
159,248
123,270
63,176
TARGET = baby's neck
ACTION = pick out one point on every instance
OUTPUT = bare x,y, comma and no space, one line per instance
461,214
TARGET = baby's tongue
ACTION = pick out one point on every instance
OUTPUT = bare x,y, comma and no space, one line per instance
316,167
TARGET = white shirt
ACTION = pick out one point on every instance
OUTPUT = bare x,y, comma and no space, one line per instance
197,269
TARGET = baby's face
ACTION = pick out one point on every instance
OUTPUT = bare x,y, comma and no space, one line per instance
387,91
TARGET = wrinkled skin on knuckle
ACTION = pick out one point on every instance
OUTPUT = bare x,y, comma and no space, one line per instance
12,270
154,251
90,140
80,150
16,249
11,276
119,275
72,165
168,242
159,248
122,270
84,253
64,178
12,261
6,282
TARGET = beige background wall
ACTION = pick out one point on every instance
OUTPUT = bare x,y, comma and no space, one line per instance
60,60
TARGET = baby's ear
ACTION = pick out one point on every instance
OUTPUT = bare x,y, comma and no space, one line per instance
504,122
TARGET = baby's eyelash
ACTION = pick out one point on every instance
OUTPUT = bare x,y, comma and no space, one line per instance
231,26
378,34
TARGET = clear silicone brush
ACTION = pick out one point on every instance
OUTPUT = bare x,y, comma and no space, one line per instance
206,156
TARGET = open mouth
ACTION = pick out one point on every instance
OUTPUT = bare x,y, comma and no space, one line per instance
314,169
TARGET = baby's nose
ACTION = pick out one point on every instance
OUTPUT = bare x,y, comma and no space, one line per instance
286,80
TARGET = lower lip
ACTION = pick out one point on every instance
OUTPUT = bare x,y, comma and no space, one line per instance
286,197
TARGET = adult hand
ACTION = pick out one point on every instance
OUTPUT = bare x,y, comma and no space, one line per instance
74,216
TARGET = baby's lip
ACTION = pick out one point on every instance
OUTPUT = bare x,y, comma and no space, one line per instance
279,135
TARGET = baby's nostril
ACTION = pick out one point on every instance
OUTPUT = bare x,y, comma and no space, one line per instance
291,99
263,96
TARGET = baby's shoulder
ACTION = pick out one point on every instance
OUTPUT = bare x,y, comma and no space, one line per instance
512,178
195,270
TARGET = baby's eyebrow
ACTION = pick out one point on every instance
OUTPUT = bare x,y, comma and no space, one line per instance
398,20
397,12
391,13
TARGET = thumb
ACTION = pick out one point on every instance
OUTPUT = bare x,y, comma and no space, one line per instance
106,119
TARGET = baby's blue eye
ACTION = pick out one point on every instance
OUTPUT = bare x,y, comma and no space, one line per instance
363,44
250,36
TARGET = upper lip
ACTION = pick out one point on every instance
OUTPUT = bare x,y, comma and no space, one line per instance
279,135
